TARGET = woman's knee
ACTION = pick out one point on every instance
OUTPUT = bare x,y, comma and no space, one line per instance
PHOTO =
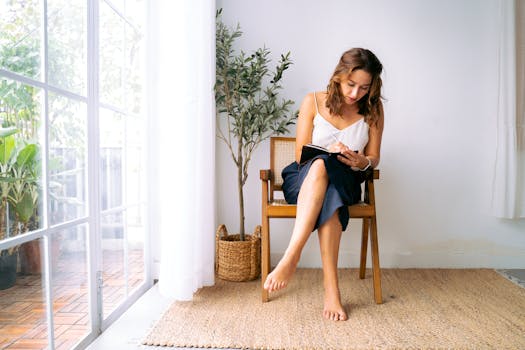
332,225
318,169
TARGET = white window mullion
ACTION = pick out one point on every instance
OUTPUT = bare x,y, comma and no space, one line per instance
44,134
44,54
94,243
42,85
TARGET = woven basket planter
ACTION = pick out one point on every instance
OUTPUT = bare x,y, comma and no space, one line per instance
237,260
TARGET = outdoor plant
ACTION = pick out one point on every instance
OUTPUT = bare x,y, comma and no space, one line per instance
19,187
19,110
247,100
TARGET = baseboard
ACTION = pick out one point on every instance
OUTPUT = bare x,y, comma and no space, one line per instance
417,260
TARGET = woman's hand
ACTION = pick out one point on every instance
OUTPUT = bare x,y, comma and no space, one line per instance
353,159
338,147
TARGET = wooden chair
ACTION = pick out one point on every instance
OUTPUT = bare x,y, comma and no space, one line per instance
282,153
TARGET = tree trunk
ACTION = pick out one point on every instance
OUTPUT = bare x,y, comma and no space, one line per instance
241,203
3,222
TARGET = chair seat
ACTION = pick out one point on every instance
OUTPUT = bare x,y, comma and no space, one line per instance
279,208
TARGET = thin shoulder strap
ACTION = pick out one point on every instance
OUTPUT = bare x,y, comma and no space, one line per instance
315,100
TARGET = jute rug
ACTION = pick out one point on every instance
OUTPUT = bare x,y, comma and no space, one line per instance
422,309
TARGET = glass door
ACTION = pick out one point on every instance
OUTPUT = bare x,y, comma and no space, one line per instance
121,162
73,236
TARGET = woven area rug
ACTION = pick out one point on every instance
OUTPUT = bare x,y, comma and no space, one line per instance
423,309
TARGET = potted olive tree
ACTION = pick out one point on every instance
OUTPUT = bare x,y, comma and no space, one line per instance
249,111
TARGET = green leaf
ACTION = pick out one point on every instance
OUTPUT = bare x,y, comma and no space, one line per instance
5,132
26,155
25,207
7,144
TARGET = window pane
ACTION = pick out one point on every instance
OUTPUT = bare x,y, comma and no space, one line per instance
23,322
112,56
67,159
135,234
69,281
111,153
136,11
20,37
20,159
113,262
118,4
21,106
134,172
120,60
67,44
123,236
121,156
133,70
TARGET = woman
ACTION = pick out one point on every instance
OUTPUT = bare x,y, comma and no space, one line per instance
348,117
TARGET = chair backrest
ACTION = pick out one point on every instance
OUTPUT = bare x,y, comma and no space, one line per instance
282,153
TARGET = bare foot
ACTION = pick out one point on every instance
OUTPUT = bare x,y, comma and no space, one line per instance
333,309
280,276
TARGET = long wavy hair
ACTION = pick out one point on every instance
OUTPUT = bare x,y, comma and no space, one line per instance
370,105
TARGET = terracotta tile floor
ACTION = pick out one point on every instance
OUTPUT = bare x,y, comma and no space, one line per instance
22,310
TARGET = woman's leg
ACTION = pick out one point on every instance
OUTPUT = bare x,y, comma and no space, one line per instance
309,203
329,238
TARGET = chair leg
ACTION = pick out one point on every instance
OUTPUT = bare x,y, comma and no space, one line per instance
364,246
265,256
375,261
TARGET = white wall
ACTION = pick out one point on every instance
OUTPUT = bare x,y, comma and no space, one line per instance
439,140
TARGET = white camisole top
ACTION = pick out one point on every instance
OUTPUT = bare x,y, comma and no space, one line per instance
355,136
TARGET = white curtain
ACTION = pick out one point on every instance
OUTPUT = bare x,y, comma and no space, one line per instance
509,175
182,149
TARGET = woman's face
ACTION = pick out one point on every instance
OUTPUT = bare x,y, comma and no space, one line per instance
355,86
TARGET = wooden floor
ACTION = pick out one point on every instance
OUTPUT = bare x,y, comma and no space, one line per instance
23,322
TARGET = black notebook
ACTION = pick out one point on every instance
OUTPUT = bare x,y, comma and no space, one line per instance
310,151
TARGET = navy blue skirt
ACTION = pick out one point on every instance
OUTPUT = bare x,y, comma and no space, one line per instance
344,187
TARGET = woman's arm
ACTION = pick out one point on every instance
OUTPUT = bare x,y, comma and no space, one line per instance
372,149
305,124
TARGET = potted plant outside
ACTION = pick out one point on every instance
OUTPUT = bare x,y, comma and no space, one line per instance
19,193
248,104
